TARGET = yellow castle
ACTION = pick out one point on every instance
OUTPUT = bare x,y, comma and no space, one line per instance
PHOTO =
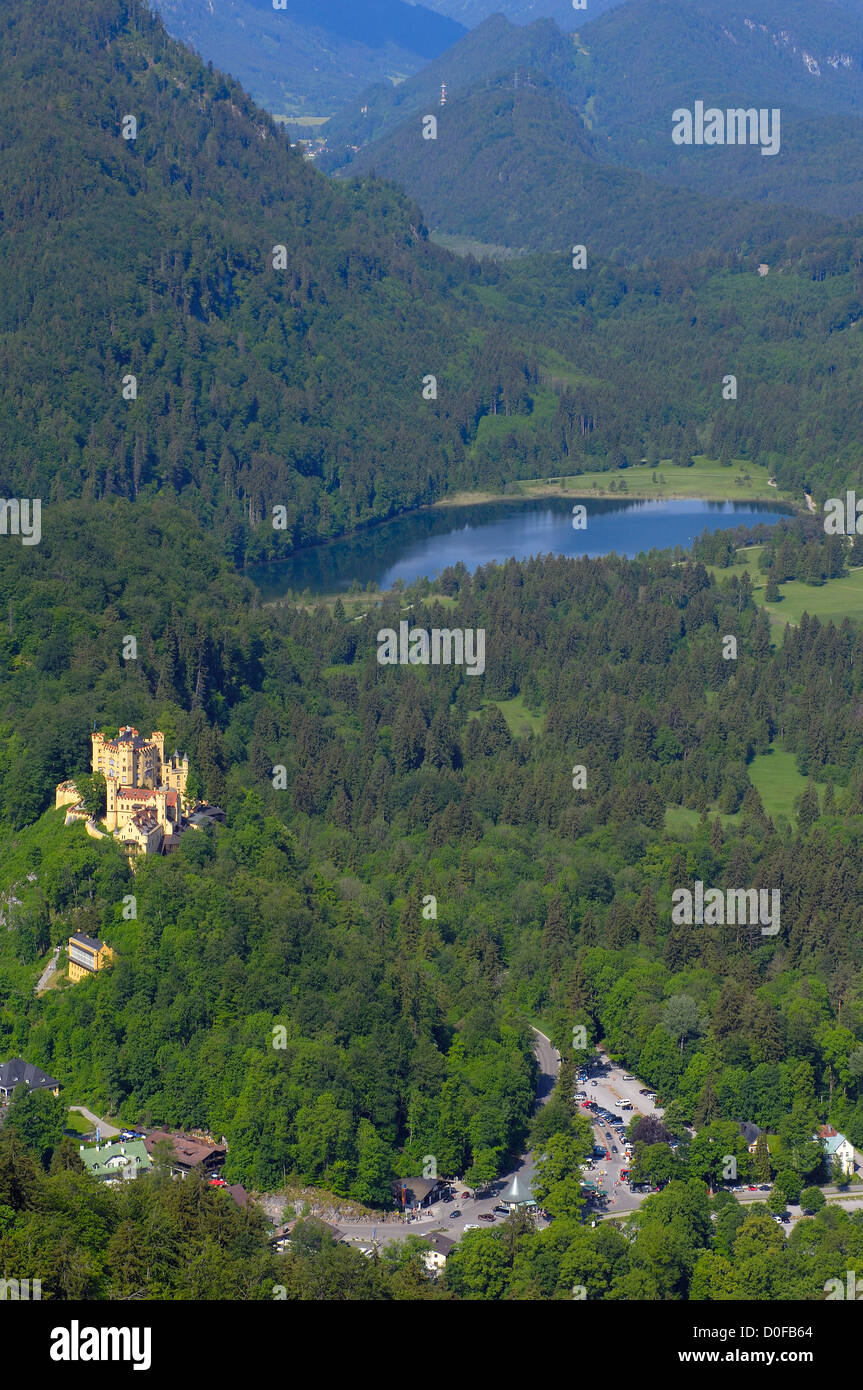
145,791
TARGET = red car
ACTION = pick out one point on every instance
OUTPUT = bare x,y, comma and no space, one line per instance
751,1188
218,1182
465,1197
585,1105
607,1154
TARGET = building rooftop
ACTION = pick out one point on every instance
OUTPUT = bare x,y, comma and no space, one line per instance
516,1191
188,1152
90,943
105,1159
17,1072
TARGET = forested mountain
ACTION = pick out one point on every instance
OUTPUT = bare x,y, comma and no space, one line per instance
302,387
406,1033
517,139
626,73
256,385
308,57
496,46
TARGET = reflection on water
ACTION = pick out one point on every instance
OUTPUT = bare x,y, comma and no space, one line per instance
426,542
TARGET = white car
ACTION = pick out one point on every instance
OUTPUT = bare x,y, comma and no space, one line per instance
473,1226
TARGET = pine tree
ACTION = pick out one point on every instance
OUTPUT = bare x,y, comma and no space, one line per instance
762,1168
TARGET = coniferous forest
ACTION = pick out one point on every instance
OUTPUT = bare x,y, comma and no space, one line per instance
279,324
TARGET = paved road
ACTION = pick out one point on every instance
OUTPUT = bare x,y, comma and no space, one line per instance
107,1131
48,971
437,1219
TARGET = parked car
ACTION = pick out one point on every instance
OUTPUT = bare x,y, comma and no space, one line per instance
465,1197
218,1182
472,1226
593,1083
485,1216
502,1210
752,1187
629,1078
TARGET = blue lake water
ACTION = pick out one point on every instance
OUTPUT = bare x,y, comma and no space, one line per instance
426,542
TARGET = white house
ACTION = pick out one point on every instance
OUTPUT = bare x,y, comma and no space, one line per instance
837,1146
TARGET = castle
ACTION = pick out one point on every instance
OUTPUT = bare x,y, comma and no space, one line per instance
145,791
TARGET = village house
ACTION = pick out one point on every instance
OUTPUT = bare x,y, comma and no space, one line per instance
750,1133
436,1258
419,1192
188,1155
114,1163
20,1073
838,1147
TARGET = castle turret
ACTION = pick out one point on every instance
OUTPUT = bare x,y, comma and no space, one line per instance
111,786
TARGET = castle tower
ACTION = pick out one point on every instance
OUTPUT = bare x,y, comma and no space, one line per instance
111,785
158,741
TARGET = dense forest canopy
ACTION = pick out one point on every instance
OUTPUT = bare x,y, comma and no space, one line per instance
406,1033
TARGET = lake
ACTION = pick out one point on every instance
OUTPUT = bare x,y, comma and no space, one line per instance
426,542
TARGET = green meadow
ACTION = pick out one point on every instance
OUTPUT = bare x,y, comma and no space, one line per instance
779,784
707,479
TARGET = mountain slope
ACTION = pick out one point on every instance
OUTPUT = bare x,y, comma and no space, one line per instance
627,72
517,144
647,58
256,386
310,57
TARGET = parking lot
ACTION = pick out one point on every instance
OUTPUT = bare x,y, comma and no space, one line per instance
610,1086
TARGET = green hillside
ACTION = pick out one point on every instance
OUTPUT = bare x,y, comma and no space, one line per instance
517,143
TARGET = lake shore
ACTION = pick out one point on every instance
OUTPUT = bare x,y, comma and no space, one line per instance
706,481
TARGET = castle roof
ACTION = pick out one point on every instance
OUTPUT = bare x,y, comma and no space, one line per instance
142,794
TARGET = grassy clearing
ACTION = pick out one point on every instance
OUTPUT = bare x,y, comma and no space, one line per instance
778,782
519,719
706,480
834,599
680,818
481,250
76,1124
